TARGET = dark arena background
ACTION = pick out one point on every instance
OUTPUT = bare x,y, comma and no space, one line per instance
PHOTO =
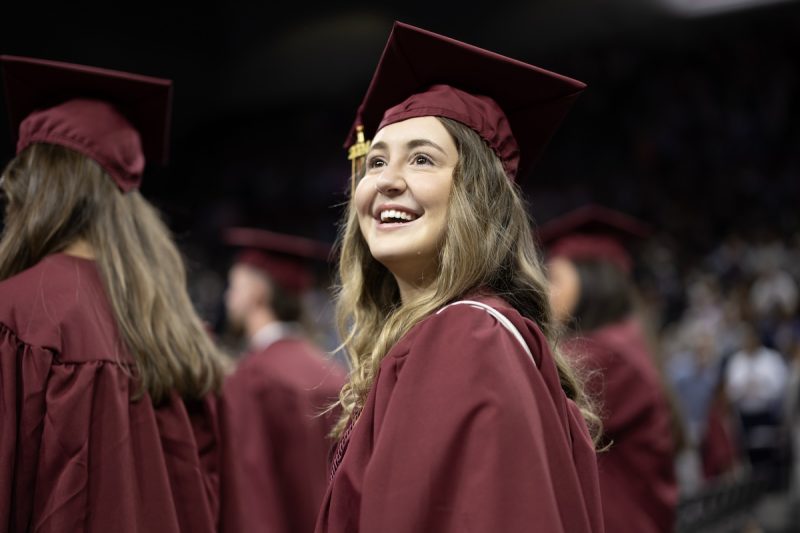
691,122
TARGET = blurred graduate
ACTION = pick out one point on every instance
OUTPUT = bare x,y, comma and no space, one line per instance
278,397
592,293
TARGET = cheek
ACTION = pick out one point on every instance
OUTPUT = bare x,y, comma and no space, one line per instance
240,295
564,291
435,198
232,298
438,191
362,196
569,300
573,292
555,295
362,203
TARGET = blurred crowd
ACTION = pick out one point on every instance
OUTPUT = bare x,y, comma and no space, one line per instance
729,339
704,148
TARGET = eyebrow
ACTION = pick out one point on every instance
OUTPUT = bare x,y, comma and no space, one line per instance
410,145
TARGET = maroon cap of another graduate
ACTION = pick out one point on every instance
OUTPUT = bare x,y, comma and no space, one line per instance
285,259
117,119
593,232
515,107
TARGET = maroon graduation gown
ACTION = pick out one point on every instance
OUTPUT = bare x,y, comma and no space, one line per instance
274,400
76,453
637,475
718,450
462,432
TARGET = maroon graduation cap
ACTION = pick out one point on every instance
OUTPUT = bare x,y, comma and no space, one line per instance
515,107
286,259
116,118
593,232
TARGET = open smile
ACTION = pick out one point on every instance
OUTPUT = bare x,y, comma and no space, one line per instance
394,216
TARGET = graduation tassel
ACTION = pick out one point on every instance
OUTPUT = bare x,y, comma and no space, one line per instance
358,152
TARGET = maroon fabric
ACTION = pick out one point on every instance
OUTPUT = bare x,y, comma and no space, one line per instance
291,274
273,406
718,450
286,259
480,113
76,453
593,232
593,219
592,247
462,432
637,476
277,243
94,129
116,118
495,95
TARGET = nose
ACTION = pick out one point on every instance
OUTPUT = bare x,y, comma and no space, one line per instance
391,181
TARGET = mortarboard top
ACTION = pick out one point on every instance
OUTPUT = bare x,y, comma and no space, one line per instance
514,106
116,118
284,258
593,232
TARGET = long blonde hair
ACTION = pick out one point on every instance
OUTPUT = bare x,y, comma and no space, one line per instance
55,196
488,243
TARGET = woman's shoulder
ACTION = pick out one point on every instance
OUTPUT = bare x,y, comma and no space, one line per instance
474,323
58,301
479,348
53,275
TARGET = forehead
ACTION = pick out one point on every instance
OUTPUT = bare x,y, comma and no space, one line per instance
246,274
417,128
561,265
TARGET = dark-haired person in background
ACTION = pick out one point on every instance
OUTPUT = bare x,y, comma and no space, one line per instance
108,380
281,386
592,294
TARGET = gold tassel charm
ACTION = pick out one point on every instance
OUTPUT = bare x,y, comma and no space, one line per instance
358,151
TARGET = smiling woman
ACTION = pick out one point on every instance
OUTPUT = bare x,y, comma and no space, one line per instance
459,415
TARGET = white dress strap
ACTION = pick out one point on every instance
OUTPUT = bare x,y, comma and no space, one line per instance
500,317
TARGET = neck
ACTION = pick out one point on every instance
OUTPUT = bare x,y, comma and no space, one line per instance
257,320
412,290
414,279
80,248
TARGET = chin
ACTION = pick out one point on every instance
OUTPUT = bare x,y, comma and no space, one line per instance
391,254
235,330
401,260
234,321
390,261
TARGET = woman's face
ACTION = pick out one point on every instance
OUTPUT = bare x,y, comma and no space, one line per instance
402,199
247,291
565,288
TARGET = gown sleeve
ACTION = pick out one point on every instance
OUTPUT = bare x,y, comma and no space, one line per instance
279,450
637,472
78,454
24,372
465,442
624,395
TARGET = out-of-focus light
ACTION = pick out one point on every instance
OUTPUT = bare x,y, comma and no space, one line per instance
700,8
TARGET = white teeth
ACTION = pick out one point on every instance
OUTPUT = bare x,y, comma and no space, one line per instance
393,214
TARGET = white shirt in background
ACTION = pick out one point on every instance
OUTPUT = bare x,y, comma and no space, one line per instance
756,382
